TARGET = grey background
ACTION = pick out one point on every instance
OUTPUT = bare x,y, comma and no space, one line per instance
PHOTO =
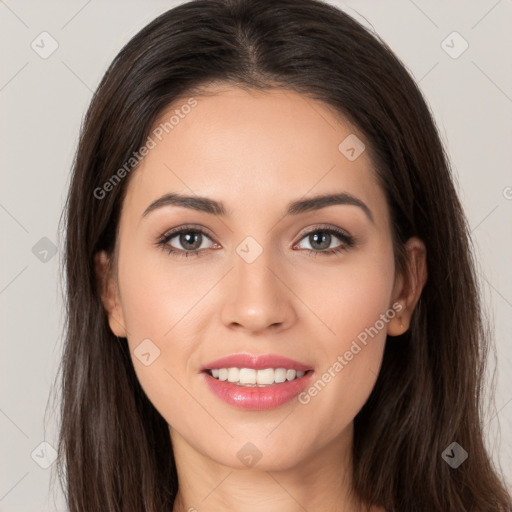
42,102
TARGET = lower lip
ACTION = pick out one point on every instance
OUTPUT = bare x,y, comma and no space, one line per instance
257,398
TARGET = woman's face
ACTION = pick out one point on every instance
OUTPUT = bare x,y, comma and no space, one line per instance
262,281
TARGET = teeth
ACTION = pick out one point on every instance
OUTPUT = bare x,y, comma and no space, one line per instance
265,376
233,374
251,377
290,374
280,375
247,376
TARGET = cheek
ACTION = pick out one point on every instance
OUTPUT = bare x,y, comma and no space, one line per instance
360,299
158,298
162,321
160,308
355,304
350,297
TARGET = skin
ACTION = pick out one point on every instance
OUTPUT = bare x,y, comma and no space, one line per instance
256,152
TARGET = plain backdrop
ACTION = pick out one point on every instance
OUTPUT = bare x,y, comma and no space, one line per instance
43,101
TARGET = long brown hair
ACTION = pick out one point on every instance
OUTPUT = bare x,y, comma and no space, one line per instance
114,448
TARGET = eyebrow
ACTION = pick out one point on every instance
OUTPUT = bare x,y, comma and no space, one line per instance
213,207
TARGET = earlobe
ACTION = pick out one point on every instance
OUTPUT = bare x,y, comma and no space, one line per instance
396,326
109,295
408,288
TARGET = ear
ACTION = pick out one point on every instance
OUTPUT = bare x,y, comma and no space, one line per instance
109,294
408,287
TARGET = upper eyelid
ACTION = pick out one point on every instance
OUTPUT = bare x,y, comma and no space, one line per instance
168,235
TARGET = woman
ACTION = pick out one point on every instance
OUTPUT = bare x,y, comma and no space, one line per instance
210,362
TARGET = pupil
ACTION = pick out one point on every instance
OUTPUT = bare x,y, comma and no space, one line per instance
325,236
187,239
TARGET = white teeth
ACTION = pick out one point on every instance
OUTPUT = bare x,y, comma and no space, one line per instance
290,374
250,376
247,376
233,374
266,376
280,375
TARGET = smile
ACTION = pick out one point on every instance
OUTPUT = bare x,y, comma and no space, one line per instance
256,382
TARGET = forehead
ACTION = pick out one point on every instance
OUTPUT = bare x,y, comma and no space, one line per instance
251,149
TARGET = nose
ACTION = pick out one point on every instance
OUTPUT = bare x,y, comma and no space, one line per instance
257,297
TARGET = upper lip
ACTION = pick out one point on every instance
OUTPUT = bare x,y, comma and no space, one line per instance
259,362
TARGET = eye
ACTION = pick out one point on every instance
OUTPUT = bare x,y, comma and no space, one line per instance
320,239
190,242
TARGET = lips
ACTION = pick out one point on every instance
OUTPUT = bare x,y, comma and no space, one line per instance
257,397
256,362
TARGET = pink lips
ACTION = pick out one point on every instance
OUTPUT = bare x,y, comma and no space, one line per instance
253,397
256,362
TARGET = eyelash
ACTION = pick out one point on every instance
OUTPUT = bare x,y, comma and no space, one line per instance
163,242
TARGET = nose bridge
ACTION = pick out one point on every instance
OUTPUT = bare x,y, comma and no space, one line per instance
252,268
257,298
